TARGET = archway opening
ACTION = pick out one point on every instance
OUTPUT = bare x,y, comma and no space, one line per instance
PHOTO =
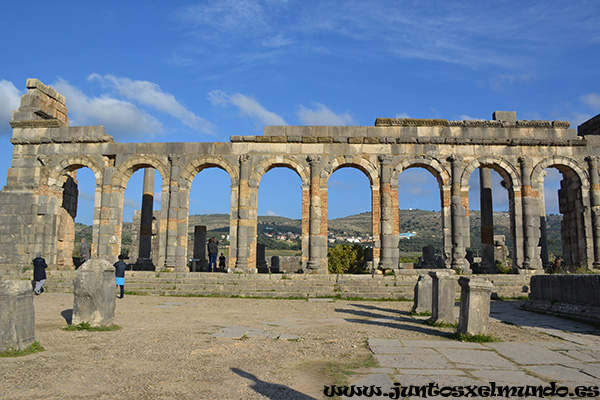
75,219
279,221
350,220
563,240
141,219
209,220
420,224
491,221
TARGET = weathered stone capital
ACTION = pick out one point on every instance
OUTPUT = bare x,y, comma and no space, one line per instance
384,159
592,161
174,158
524,161
455,159
244,158
313,159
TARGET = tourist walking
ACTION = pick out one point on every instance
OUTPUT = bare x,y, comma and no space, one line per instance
39,273
120,267
213,252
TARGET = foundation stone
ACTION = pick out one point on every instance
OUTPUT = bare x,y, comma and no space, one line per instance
474,305
442,300
95,293
423,290
17,322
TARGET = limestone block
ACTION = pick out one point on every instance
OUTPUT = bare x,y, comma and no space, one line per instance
442,300
423,292
95,293
17,325
474,305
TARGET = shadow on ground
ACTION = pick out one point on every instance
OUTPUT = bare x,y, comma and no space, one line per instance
272,390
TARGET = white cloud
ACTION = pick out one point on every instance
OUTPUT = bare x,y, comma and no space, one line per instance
131,203
321,115
247,106
149,94
271,214
402,115
591,100
10,99
119,117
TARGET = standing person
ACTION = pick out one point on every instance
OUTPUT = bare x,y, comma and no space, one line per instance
85,250
222,262
120,267
39,273
213,251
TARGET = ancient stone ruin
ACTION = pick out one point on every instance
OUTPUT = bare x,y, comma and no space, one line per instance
37,206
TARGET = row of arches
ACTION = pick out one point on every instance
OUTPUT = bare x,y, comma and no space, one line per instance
576,232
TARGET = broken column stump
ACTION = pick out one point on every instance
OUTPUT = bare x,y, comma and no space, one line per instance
474,305
423,291
17,315
95,293
442,299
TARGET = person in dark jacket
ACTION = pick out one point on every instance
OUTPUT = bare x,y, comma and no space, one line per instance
39,273
120,267
213,253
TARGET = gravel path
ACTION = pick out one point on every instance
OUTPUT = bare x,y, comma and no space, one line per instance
211,348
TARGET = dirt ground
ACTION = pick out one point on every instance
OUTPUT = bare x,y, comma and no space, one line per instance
166,348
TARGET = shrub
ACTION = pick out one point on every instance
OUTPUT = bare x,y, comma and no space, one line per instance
346,259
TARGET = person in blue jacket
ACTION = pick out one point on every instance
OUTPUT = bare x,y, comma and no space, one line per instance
120,267
39,273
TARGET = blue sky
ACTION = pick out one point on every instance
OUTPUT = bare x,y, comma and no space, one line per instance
206,70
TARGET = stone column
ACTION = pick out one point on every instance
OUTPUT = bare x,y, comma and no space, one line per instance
176,219
389,241
244,228
111,218
474,305
595,205
442,299
17,325
459,217
144,260
487,220
531,256
261,261
423,292
316,244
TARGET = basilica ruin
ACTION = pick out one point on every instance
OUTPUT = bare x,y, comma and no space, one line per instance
39,202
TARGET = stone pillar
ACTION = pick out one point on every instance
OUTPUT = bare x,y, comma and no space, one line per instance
459,217
110,219
423,292
275,264
317,244
144,261
94,293
442,297
595,205
531,256
199,262
176,218
389,241
17,325
244,228
487,220
474,305
543,228
261,261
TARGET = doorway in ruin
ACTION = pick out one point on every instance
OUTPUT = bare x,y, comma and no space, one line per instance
209,217
75,217
279,221
350,217
492,231
141,219
420,219
563,204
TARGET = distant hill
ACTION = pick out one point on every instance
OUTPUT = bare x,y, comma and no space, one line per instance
426,224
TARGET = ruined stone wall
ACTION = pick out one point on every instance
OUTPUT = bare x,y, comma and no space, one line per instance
47,150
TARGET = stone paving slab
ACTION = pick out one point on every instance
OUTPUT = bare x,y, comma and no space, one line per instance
468,358
529,353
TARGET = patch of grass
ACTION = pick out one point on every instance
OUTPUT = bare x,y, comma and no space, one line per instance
134,293
338,372
35,347
85,326
441,324
420,314
473,338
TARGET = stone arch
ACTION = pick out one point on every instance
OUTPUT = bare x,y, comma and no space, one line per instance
429,163
267,164
357,161
498,164
568,166
134,163
194,167
58,175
